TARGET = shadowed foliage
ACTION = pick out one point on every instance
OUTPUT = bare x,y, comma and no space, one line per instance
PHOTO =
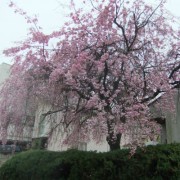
154,162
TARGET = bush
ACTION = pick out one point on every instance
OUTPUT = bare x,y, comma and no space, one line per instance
154,162
39,143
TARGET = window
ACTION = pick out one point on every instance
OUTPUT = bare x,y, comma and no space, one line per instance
82,146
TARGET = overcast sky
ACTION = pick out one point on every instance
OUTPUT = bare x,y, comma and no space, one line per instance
51,14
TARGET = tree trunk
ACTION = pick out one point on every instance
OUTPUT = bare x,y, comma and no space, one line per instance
114,142
112,139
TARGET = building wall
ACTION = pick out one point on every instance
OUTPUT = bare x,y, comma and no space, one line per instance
171,127
173,121
26,132
4,72
43,127
169,133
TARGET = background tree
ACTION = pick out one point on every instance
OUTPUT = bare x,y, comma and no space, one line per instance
107,65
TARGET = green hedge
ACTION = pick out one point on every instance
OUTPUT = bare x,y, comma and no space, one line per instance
154,162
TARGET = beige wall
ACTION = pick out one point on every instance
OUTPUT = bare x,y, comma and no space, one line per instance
26,133
43,127
173,121
55,142
171,128
4,72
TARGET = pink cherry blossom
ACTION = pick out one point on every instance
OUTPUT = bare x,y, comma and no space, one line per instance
108,65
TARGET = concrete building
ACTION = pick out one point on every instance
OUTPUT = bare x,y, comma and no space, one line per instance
13,136
4,72
43,125
169,119
172,121
169,122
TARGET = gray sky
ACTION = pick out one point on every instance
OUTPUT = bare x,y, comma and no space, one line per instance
51,15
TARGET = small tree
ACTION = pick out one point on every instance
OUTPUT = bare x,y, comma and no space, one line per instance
107,65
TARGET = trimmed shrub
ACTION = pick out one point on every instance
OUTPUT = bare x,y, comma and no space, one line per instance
39,143
159,162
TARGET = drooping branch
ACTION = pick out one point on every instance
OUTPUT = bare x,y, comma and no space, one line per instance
105,75
174,71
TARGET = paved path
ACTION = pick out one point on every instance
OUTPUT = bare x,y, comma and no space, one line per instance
4,158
